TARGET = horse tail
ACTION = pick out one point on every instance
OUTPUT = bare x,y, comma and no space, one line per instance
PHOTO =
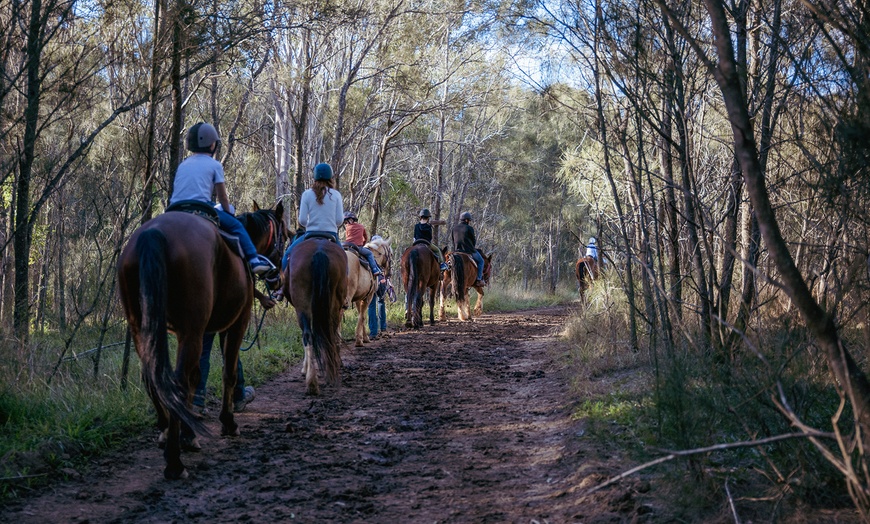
413,281
458,277
157,372
324,328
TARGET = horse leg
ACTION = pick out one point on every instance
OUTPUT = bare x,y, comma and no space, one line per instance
188,374
431,306
478,306
360,333
442,311
231,341
309,364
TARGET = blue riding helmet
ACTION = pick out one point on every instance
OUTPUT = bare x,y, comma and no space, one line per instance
322,171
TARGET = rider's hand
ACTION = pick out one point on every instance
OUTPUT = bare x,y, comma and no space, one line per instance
266,301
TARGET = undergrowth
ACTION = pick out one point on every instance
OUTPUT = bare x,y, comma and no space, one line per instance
655,399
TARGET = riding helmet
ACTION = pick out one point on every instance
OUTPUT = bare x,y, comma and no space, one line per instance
465,216
322,171
201,136
424,213
350,215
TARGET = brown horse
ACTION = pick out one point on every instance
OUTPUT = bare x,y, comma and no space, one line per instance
586,271
419,273
178,273
461,277
315,282
361,287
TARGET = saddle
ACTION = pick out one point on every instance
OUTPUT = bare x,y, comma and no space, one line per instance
422,241
318,234
347,246
198,208
206,211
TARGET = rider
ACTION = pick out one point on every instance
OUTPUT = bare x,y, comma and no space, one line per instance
464,240
200,176
356,234
423,231
592,249
321,209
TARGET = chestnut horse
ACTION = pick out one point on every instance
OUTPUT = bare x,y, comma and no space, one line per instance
461,277
361,287
586,271
177,273
419,272
315,283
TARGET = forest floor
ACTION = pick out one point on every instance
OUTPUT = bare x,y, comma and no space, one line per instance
458,422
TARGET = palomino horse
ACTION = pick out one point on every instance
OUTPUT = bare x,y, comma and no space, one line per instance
315,282
461,277
361,287
383,253
586,271
178,273
419,273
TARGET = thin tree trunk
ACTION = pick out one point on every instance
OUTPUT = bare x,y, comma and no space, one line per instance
844,368
23,220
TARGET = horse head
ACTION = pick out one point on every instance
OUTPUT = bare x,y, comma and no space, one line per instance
487,266
268,233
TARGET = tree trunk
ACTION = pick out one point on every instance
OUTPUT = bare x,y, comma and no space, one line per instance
844,368
23,220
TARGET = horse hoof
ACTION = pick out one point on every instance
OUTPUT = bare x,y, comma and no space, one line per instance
232,432
172,474
161,440
191,444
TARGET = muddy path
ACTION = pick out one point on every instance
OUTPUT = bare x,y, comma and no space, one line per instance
458,422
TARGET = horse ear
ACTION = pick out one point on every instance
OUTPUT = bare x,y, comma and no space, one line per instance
279,210
256,206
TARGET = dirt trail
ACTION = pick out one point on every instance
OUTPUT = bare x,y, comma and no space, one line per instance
458,422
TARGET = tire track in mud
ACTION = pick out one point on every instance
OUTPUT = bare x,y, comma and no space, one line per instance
457,422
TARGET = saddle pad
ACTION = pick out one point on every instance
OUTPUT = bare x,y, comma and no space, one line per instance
195,207
232,241
355,249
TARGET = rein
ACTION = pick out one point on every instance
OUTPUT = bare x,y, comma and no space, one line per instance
276,242
259,327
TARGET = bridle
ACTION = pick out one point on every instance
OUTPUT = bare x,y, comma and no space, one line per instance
276,237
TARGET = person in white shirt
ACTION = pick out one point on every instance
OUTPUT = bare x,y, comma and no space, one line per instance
592,249
200,177
321,210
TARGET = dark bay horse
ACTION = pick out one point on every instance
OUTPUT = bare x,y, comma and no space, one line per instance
586,271
177,273
420,272
315,282
460,278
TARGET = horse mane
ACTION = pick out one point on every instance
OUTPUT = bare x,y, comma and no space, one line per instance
381,242
259,218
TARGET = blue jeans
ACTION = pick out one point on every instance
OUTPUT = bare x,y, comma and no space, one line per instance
377,307
300,238
205,365
366,252
231,225
479,259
